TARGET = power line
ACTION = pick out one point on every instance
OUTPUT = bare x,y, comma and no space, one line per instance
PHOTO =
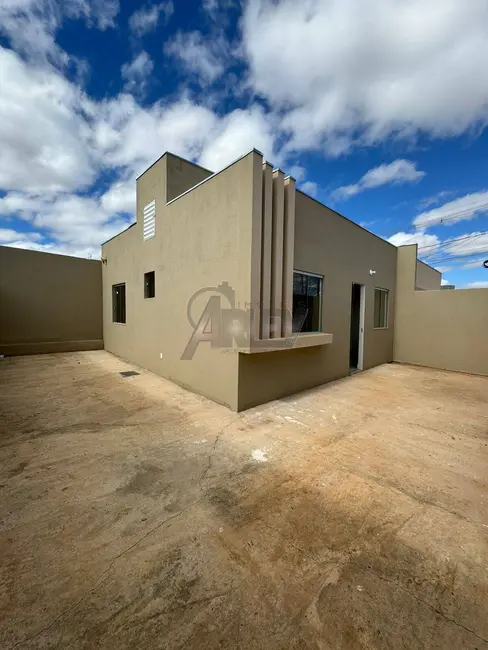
450,241
455,216
437,257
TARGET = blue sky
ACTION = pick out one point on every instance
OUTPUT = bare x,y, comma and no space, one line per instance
378,109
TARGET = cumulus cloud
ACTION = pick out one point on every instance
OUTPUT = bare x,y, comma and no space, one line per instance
136,73
73,222
354,72
206,59
7,236
146,20
395,173
236,134
31,25
466,207
43,140
423,240
53,156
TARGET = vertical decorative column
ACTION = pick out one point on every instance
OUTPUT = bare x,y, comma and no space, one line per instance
288,255
277,253
256,245
266,249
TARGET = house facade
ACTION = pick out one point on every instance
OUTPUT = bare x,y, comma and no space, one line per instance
244,289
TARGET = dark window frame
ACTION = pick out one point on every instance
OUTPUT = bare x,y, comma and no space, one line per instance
150,284
383,309
307,312
119,314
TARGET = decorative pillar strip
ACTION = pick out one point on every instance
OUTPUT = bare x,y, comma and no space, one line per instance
266,249
277,254
288,255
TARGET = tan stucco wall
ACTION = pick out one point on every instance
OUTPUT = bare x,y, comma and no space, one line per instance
427,278
203,238
181,175
439,329
330,245
49,303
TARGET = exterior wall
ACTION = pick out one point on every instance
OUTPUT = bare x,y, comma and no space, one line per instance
427,278
181,175
49,303
439,329
330,245
203,238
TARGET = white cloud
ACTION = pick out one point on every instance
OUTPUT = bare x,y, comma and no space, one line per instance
146,19
437,198
472,244
7,236
309,187
444,281
236,134
396,173
98,13
73,222
420,238
466,207
64,146
129,136
349,72
480,284
136,73
120,198
31,25
43,138
203,58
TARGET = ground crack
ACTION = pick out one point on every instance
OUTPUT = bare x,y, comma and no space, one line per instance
420,600
214,447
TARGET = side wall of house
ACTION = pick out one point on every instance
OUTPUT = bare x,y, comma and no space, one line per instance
439,329
427,278
181,175
202,240
343,253
49,303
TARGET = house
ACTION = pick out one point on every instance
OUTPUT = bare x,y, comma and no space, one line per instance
240,287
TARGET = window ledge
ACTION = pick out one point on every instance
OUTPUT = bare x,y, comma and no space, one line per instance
314,339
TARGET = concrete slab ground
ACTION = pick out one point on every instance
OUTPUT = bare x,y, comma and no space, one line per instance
134,514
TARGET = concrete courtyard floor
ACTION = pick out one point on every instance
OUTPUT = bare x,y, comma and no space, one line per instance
134,514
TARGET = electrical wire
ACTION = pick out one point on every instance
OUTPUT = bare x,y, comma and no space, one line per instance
455,216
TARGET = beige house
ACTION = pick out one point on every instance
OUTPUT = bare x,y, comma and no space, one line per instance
240,287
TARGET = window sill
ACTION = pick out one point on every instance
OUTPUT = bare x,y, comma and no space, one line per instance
116,322
308,340
381,328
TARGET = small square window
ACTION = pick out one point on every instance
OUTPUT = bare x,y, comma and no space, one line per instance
118,303
149,285
380,308
307,302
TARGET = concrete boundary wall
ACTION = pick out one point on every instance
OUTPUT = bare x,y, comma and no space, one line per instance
49,303
439,329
